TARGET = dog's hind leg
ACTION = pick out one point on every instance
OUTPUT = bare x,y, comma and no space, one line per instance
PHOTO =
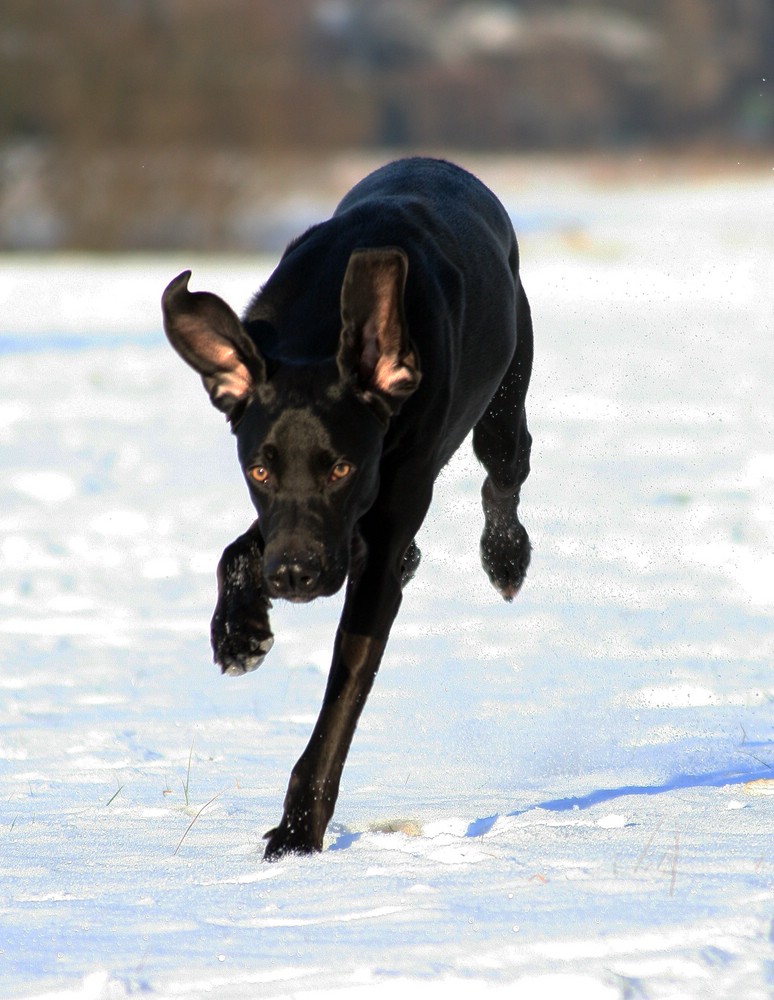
502,444
240,630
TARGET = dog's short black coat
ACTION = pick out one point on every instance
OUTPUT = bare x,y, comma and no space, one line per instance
382,338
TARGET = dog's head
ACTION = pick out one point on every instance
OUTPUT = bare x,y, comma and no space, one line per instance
309,437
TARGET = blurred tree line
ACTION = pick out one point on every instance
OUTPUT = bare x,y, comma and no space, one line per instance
92,92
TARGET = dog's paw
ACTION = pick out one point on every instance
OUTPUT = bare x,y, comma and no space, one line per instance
505,556
239,647
246,663
288,838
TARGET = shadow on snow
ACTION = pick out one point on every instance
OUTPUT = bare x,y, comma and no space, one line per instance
712,779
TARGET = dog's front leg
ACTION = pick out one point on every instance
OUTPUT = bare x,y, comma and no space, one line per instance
371,605
240,630
314,781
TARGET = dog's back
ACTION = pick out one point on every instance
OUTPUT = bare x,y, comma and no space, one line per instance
460,246
448,203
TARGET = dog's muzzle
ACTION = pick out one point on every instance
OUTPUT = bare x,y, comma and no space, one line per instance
293,576
302,575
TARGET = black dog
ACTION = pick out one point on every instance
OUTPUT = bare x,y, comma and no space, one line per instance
383,336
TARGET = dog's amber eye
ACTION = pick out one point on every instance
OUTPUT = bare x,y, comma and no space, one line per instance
340,471
259,474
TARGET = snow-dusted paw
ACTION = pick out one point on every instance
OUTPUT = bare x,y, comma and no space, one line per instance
249,662
505,556
292,838
239,647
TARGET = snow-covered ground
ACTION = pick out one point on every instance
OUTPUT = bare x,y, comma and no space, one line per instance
570,796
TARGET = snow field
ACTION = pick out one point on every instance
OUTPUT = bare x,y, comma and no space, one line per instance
572,795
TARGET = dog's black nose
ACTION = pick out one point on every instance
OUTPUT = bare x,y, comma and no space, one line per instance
294,577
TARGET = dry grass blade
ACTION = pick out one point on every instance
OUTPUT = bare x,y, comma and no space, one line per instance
188,828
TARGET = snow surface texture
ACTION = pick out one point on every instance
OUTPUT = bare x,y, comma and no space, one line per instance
569,796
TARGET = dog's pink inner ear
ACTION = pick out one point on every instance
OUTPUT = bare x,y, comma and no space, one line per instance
209,336
219,360
395,378
375,330
234,378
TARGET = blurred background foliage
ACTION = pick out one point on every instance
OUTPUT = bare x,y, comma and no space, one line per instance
151,124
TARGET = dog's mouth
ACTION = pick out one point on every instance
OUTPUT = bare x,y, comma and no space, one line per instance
303,595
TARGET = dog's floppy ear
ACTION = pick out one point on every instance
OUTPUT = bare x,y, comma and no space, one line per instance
375,344
208,335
